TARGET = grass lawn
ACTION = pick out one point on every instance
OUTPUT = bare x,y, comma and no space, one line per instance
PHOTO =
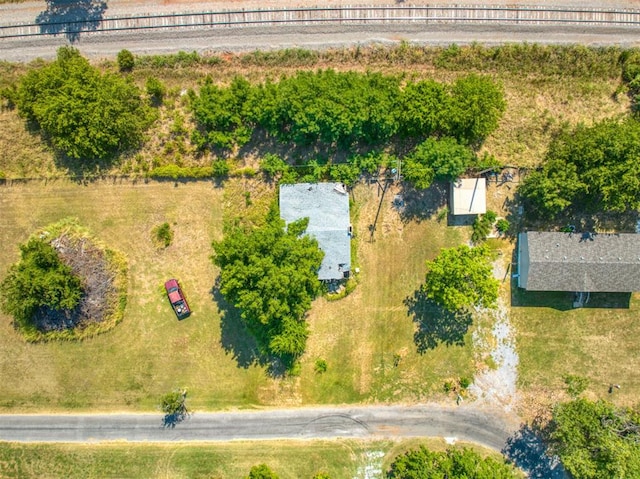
289,459
150,352
599,343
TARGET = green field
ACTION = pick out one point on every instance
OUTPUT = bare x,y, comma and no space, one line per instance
150,352
289,459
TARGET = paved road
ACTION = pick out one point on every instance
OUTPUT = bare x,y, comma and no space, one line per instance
489,428
313,37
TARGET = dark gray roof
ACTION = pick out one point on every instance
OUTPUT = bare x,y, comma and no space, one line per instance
579,262
327,207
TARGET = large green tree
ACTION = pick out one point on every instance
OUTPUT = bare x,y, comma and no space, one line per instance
85,114
475,108
593,168
270,274
460,278
39,280
443,159
453,463
597,439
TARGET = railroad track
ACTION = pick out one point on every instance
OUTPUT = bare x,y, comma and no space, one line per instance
347,15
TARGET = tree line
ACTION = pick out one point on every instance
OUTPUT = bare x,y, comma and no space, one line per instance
346,108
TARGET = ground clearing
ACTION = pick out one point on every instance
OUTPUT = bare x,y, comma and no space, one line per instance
289,459
150,352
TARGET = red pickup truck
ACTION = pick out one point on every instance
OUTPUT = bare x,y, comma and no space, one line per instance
177,299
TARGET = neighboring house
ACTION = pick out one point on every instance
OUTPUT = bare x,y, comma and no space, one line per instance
468,196
579,262
327,207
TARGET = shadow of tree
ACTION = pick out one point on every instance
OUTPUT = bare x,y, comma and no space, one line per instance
527,451
420,204
71,17
435,324
170,421
237,340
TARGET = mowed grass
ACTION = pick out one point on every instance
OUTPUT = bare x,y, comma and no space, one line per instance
150,352
367,338
289,459
598,343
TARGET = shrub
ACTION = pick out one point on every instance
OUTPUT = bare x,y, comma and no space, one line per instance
162,235
502,225
85,114
482,226
576,385
155,89
126,61
320,366
218,168
272,165
464,382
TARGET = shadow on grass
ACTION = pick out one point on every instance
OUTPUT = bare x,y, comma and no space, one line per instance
435,325
71,17
237,340
527,451
420,204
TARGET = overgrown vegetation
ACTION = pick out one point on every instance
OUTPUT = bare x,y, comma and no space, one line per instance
85,114
343,109
39,282
593,168
270,274
66,285
455,463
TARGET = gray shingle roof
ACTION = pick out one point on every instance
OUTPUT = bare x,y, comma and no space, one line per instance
579,262
327,207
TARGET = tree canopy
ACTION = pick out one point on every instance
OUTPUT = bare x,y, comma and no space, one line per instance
346,108
460,278
39,279
270,274
453,463
440,159
596,439
594,168
85,114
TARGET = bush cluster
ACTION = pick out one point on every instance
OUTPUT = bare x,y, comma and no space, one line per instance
591,168
345,108
85,114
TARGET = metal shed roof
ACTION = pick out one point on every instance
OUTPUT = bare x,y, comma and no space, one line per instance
586,262
327,207
469,196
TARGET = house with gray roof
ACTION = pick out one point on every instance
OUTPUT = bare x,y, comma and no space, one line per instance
327,207
579,262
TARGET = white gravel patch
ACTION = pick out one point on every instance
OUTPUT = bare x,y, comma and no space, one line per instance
372,467
497,387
